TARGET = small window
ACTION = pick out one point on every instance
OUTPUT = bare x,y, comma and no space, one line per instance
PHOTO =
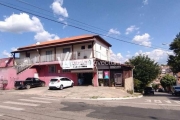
27,54
52,69
89,46
65,50
82,47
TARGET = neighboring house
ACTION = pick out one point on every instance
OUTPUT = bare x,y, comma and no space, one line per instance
84,57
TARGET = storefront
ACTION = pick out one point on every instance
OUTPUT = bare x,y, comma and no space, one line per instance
113,74
84,68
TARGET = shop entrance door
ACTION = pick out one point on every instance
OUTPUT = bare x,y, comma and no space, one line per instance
118,79
85,79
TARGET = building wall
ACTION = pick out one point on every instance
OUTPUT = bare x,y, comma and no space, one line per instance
10,75
44,74
83,52
101,51
128,84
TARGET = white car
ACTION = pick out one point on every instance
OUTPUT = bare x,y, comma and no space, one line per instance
60,83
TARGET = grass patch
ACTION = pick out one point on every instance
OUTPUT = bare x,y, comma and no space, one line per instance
94,97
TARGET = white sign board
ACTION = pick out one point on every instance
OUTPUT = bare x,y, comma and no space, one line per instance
78,64
100,74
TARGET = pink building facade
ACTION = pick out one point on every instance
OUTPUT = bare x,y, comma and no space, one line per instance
73,57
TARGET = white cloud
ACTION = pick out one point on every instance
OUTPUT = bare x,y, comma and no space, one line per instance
113,32
58,9
7,54
44,35
117,57
13,49
145,2
20,23
158,55
131,29
142,39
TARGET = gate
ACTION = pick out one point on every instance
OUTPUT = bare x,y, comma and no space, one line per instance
118,79
3,83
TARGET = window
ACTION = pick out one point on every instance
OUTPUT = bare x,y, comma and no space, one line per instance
67,79
52,69
48,52
65,50
89,46
27,54
82,47
49,56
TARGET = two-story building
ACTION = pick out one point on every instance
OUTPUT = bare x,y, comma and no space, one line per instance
84,57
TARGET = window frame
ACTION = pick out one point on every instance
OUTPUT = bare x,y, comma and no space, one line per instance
51,70
89,46
83,47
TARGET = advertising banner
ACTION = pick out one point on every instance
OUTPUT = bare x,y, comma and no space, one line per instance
78,64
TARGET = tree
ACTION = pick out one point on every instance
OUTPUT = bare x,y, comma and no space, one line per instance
174,60
137,85
167,81
146,70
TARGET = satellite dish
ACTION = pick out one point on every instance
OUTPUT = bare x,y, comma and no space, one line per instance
38,43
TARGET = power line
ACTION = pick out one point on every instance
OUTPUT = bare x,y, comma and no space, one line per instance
67,18
21,1
74,26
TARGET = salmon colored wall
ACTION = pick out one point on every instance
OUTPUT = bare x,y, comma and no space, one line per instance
10,75
46,76
95,79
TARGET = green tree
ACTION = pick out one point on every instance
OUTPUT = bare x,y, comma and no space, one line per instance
146,70
174,60
167,81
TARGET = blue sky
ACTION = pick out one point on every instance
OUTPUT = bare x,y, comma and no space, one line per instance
145,22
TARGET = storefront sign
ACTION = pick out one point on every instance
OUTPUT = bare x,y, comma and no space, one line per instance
78,64
100,74
106,74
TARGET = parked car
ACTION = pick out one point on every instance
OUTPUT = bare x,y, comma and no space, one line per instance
60,83
29,82
176,90
160,90
148,90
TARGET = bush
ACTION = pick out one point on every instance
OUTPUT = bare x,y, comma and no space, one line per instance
137,85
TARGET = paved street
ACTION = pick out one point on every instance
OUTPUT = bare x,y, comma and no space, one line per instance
161,106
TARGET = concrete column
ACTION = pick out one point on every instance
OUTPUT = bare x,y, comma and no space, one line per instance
95,79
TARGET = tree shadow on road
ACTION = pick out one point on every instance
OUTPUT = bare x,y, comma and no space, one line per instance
161,94
120,112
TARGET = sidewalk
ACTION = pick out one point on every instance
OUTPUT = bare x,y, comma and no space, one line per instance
79,92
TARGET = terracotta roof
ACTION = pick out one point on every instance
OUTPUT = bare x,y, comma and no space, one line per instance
65,40
6,62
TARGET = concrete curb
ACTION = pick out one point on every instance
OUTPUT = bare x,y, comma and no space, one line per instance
107,98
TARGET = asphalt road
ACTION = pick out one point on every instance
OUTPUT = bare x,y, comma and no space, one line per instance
161,106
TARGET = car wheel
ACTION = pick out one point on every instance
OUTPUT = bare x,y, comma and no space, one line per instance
16,88
50,88
72,84
61,87
42,84
28,86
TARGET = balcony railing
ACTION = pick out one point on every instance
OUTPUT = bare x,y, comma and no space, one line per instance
62,56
